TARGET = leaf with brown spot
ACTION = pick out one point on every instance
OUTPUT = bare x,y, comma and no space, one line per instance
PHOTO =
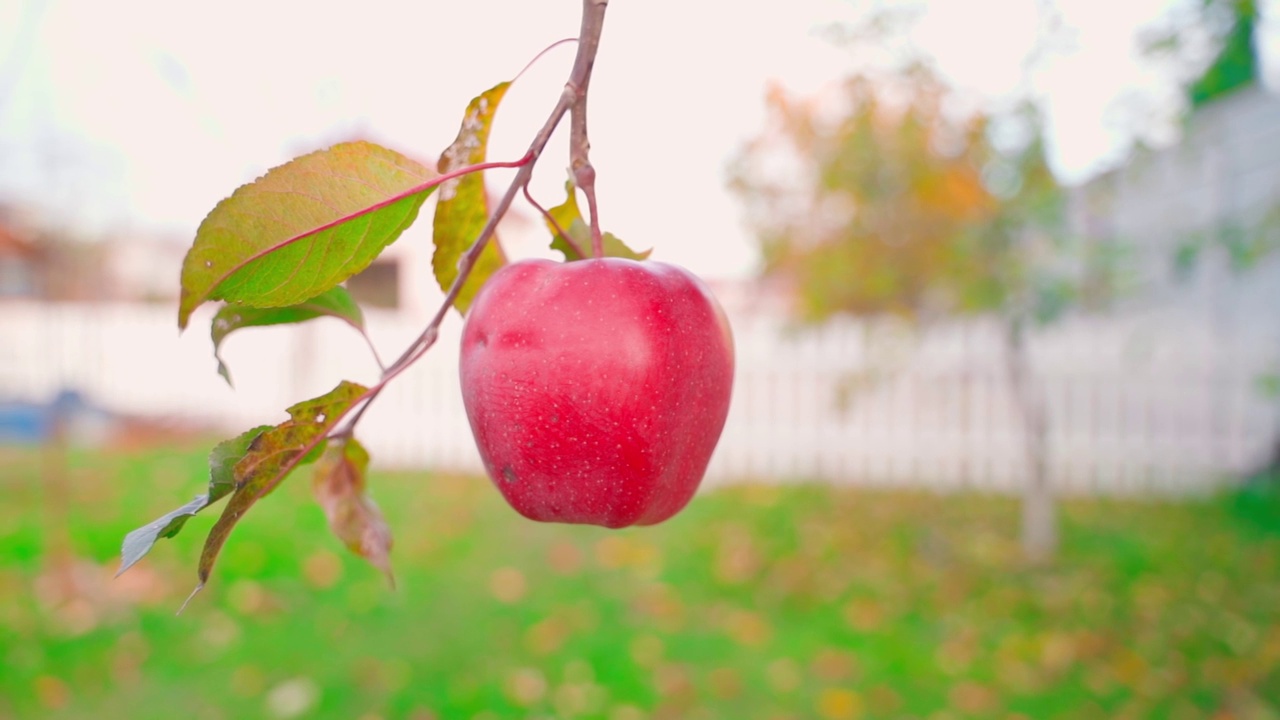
339,486
273,454
222,462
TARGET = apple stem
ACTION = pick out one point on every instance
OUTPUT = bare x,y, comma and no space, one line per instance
573,97
584,174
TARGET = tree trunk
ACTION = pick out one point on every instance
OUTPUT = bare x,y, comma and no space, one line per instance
1039,511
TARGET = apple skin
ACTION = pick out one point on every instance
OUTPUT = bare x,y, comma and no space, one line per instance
596,389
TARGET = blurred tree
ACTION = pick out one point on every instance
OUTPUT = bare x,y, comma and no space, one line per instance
1211,45
1236,64
881,199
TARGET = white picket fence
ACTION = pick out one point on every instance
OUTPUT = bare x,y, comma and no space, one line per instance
1134,406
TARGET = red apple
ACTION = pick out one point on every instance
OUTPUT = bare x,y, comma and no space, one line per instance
596,389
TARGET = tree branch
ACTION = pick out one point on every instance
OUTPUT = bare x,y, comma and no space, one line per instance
573,97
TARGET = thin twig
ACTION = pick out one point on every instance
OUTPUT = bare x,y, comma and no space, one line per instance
538,57
373,350
564,234
584,174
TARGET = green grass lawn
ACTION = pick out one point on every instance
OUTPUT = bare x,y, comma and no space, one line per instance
755,602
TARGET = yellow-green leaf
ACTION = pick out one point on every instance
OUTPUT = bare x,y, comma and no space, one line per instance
462,207
571,235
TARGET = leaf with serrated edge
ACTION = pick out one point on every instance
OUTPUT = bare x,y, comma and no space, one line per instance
339,486
462,207
335,302
221,481
303,227
273,454
575,240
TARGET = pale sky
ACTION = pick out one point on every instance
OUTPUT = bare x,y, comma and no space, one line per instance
144,113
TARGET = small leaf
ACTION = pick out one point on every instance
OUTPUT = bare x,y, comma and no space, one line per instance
575,240
569,232
339,484
303,227
462,208
335,302
273,454
221,481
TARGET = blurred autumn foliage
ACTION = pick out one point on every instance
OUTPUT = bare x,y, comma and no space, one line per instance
891,195
886,195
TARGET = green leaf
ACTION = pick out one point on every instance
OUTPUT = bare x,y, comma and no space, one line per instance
462,207
339,486
221,481
335,302
272,455
571,235
303,227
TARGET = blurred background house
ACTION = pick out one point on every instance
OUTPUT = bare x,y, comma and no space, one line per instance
21,265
